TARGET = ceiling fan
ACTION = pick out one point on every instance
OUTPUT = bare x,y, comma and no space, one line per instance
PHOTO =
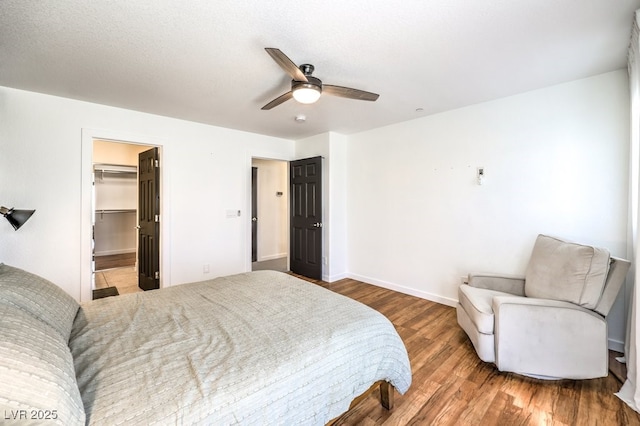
307,89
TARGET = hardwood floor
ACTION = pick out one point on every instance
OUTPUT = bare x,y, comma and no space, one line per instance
451,386
115,261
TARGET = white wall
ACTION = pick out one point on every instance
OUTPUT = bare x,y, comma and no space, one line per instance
115,233
337,234
332,148
109,152
206,171
556,162
273,210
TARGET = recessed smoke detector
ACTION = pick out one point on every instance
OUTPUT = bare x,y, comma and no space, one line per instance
300,118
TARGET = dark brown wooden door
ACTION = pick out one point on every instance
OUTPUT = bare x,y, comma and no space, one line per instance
254,214
306,217
149,220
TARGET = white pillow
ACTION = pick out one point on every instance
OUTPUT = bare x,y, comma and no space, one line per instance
38,381
39,297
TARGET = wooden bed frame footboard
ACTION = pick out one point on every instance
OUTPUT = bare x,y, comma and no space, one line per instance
387,392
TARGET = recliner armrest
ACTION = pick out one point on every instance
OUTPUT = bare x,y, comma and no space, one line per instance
618,269
513,284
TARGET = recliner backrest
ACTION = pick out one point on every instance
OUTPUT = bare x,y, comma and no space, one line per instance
567,271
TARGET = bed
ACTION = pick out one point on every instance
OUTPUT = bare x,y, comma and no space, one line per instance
256,348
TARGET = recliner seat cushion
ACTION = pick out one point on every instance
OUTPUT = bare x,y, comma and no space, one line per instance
562,270
477,302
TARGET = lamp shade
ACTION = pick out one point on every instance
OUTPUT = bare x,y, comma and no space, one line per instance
16,218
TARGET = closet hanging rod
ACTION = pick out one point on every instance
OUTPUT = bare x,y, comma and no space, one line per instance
115,172
116,211
114,168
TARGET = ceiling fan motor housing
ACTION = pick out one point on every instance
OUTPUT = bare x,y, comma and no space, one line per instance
312,83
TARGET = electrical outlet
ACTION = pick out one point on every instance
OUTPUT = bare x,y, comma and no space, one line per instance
205,268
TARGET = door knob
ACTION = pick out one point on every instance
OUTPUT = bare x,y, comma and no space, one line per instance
317,225
254,219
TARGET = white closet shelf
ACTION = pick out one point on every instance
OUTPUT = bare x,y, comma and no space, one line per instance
114,168
116,211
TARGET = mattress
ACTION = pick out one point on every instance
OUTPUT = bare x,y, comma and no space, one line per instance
256,348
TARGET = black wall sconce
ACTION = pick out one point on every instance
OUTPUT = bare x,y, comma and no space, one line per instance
16,218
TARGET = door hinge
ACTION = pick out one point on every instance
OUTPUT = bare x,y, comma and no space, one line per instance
157,275
157,163
157,218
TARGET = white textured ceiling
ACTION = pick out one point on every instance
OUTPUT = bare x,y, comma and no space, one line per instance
204,60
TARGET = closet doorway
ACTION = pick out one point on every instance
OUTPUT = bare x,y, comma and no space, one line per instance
115,212
270,215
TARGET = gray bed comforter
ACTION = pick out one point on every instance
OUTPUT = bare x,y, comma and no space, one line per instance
258,348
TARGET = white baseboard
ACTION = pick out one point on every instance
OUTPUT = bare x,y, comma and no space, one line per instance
406,290
334,278
616,345
110,252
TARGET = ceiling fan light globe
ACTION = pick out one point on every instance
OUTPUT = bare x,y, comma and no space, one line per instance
306,94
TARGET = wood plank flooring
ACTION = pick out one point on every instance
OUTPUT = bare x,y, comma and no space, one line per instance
451,386
115,261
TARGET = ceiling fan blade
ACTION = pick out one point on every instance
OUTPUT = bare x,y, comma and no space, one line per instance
286,64
348,92
277,101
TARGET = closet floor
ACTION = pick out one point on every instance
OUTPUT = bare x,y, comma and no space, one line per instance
124,279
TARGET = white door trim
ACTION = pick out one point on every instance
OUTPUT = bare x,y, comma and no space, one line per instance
87,208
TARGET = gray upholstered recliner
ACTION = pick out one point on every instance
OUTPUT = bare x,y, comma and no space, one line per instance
551,322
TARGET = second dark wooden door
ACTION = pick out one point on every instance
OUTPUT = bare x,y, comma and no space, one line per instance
306,217
254,214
